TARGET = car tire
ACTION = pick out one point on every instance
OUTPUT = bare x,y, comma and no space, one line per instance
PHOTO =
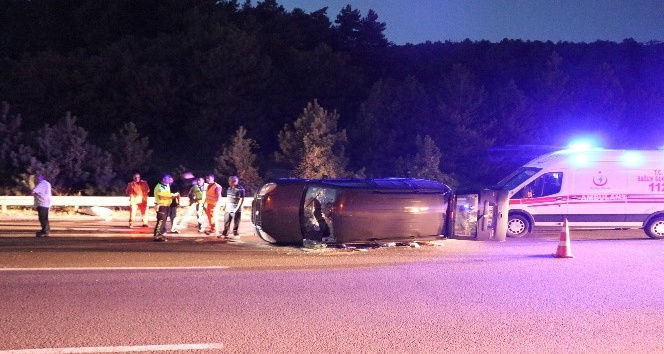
655,228
517,225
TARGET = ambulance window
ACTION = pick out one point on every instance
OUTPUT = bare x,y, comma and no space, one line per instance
516,178
526,192
550,183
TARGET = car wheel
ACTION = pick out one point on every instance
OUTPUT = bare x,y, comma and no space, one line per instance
655,228
517,226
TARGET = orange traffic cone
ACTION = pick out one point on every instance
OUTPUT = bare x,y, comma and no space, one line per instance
564,245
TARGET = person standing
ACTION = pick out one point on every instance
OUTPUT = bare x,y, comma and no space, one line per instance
212,196
173,208
233,208
196,199
42,194
138,191
163,199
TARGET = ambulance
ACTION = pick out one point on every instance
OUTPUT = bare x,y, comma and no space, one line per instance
592,188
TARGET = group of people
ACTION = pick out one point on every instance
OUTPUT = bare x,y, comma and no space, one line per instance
205,197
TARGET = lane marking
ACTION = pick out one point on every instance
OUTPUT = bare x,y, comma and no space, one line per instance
113,268
119,349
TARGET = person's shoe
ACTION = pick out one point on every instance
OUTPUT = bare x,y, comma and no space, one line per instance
131,225
235,233
39,234
234,237
45,234
160,239
176,231
201,230
225,233
146,225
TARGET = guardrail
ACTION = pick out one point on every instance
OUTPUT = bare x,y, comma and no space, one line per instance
90,201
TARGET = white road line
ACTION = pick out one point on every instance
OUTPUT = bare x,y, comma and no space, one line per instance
120,349
113,268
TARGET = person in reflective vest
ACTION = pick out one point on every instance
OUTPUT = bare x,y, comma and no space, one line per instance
162,198
196,199
212,197
173,210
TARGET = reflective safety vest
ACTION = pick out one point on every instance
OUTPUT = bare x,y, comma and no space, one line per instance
162,194
197,194
138,191
211,196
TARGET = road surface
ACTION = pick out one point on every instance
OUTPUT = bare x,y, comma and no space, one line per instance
90,290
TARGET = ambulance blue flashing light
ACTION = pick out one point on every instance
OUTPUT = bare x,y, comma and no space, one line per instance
581,151
581,145
580,159
631,158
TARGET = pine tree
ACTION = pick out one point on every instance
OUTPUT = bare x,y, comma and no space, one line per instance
11,142
426,162
356,32
347,27
63,155
238,159
130,151
313,147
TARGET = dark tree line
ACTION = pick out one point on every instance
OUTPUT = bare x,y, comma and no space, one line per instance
97,89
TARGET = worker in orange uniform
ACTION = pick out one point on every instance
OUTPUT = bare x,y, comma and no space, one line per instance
212,197
138,191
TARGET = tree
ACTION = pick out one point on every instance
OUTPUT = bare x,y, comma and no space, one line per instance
62,153
348,26
355,32
608,100
426,162
371,31
238,159
469,130
549,97
313,147
388,123
11,142
510,107
130,151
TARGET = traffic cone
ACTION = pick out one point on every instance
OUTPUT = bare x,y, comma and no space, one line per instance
564,245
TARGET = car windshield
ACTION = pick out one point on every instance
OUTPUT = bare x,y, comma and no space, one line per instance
516,178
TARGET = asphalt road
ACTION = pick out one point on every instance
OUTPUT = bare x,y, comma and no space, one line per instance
95,287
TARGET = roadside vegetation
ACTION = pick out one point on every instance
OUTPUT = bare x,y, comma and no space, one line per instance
93,91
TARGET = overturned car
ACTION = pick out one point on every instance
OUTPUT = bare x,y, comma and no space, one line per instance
288,211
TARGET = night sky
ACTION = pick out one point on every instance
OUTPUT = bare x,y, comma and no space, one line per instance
417,21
